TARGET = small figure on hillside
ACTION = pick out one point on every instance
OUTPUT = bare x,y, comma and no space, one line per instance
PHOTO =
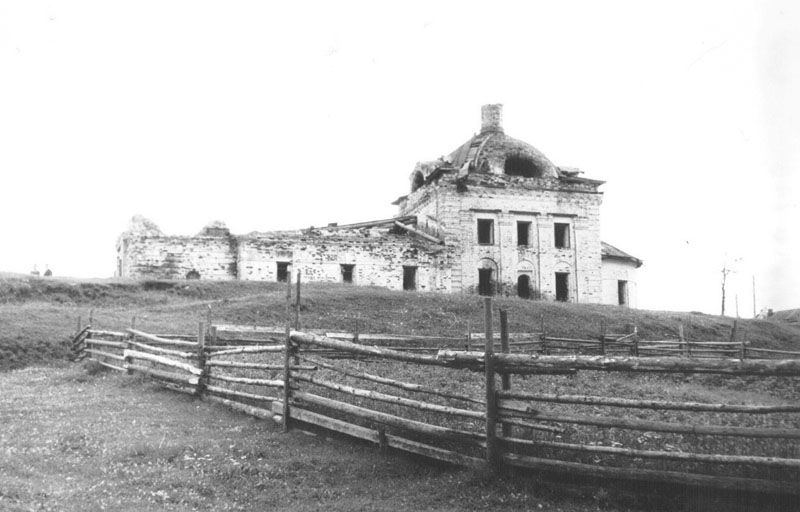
47,271
35,271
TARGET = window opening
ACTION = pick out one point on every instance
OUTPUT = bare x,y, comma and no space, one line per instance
622,292
283,271
562,235
485,231
347,273
523,233
524,286
522,166
409,278
419,180
193,274
562,286
485,286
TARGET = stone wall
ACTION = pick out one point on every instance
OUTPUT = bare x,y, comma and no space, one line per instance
614,271
176,257
377,258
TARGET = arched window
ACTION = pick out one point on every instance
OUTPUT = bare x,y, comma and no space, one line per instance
193,274
518,165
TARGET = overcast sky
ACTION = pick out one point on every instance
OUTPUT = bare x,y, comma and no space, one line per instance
286,115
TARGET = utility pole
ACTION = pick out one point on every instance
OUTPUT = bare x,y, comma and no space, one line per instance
725,272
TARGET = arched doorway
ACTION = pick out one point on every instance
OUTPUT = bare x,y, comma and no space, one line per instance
524,286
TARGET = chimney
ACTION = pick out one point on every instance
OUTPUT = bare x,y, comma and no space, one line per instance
492,118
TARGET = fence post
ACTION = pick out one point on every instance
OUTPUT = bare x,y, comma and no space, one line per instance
684,344
544,337
287,353
492,455
297,305
469,336
635,340
505,378
91,317
201,358
131,337
603,338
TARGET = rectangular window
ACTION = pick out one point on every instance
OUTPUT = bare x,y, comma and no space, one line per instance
562,235
347,273
485,231
409,278
485,285
562,286
622,292
283,271
523,233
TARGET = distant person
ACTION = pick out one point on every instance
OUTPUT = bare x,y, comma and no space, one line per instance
48,272
35,271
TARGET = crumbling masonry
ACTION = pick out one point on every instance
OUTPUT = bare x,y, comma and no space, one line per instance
493,217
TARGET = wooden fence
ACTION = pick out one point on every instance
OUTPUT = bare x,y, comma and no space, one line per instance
446,404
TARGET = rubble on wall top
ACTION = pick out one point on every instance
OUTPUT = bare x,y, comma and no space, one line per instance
215,228
141,225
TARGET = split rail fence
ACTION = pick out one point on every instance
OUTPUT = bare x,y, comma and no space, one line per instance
445,403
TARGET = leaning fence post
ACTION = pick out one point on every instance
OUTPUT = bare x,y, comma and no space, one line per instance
287,353
505,378
544,338
201,358
131,337
492,455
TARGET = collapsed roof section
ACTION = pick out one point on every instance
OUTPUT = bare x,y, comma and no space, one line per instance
491,151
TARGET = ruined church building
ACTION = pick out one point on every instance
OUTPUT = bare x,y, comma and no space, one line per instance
495,216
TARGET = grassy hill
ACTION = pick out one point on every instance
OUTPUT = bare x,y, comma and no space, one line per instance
38,315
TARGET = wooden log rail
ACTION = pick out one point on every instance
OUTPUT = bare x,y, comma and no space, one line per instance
774,462
391,399
647,404
407,386
256,349
391,420
525,363
520,410
301,338
105,343
164,341
163,351
135,354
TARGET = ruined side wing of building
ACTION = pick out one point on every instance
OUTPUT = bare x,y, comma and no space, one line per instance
495,216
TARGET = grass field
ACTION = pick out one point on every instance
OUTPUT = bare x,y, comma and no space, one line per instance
77,439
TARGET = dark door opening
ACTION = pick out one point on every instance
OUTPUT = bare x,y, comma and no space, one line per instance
524,286
283,271
622,292
409,278
347,273
485,285
562,286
